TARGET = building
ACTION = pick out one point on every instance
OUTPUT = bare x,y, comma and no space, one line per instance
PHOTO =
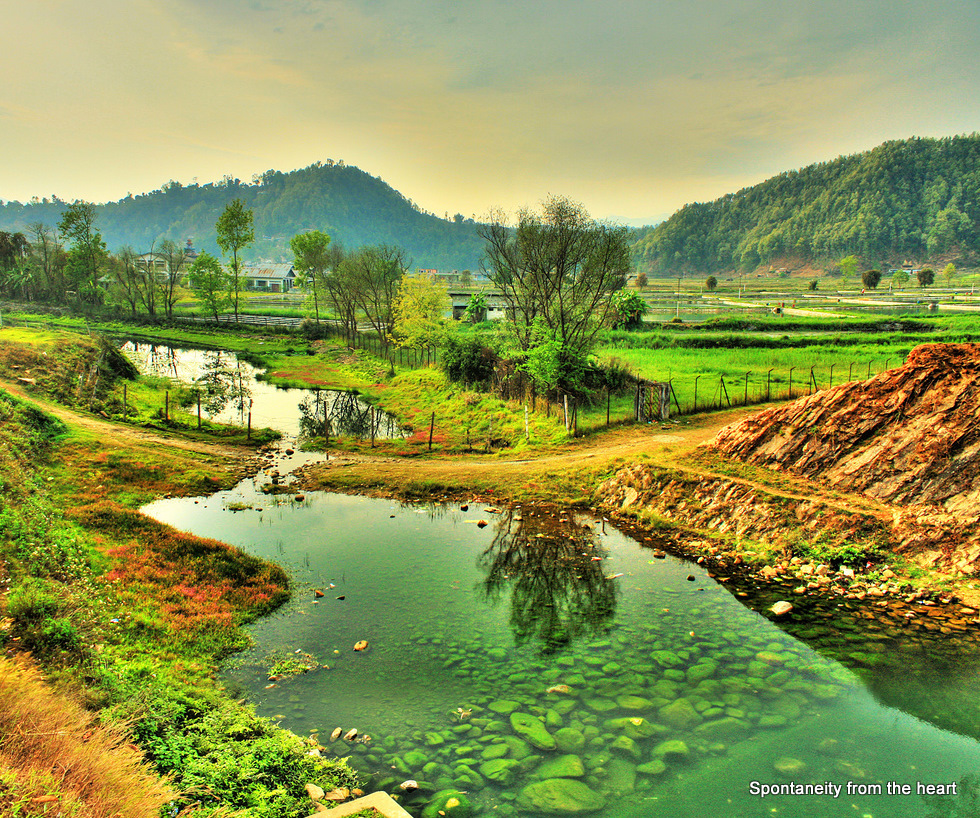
269,278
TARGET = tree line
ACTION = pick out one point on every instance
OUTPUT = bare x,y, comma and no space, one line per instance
914,198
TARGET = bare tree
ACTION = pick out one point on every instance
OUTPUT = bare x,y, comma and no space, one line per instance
374,274
556,272
175,257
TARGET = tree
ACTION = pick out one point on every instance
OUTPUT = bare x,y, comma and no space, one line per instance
925,276
175,257
556,271
899,279
88,252
711,284
871,278
374,274
126,278
949,273
236,230
341,289
641,280
476,309
312,258
812,286
420,312
848,268
46,261
211,282
628,309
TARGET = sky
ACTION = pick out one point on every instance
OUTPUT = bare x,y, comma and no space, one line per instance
631,108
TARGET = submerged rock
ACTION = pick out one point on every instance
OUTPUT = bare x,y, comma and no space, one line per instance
448,803
533,730
566,766
560,796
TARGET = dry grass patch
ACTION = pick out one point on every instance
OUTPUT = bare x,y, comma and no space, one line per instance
54,761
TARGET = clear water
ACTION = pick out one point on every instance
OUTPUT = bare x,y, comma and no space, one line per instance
231,390
465,623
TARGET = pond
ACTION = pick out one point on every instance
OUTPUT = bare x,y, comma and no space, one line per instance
548,662
231,389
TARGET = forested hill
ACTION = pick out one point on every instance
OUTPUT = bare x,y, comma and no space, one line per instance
350,205
913,199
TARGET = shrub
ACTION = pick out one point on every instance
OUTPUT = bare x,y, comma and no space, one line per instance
468,360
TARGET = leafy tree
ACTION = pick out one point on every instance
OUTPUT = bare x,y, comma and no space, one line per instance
926,276
899,279
871,278
312,259
46,261
949,273
420,312
468,360
848,268
711,284
628,309
641,280
476,308
236,231
211,282
341,289
556,271
15,274
87,254
126,279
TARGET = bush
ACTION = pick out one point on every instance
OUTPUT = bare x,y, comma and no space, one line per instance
468,360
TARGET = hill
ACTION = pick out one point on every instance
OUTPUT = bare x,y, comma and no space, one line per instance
911,199
350,205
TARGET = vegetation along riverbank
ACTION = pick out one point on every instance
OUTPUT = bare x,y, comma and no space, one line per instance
132,617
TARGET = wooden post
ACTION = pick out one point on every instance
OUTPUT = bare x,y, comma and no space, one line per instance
696,377
768,385
869,369
166,406
373,422
850,369
608,399
723,388
125,406
568,420
249,422
831,377
574,418
745,400
198,410
527,428
791,382
432,423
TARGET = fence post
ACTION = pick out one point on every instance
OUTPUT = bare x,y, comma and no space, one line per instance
869,369
166,406
723,388
607,405
745,399
198,410
696,377
791,382
565,406
373,422
768,385
831,377
527,429
432,423
125,410
850,369
813,380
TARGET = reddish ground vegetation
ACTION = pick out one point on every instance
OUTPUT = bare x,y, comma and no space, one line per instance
198,583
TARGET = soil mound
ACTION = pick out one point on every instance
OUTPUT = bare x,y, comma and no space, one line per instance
909,436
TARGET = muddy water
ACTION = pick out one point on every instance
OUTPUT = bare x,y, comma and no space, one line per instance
542,649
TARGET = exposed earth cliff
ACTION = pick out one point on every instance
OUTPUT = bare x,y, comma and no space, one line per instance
908,439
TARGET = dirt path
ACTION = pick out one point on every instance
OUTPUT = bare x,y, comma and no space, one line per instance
115,434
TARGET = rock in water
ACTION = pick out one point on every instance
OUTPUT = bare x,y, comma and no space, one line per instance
350,735
336,733
781,608
362,645
533,730
560,796
448,803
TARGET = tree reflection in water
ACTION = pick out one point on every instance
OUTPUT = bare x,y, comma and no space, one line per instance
223,380
347,414
558,592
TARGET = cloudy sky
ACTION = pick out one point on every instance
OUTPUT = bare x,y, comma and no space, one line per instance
633,108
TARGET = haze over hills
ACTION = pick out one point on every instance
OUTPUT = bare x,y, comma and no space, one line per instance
911,199
350,205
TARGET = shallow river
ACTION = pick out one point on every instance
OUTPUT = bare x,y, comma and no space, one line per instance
558,649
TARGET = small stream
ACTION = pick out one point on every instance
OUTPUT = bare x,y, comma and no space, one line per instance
547,661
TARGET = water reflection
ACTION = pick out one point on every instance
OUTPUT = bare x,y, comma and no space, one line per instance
553,571
327,412
222,380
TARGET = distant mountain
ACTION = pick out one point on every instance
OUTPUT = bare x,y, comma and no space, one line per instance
350,205
912,199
